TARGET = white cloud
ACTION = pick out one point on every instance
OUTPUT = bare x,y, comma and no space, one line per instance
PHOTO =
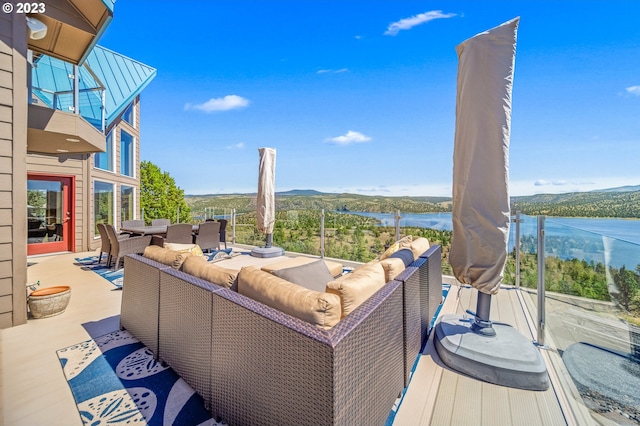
341,70
408,23
349,138
227,103
634,90
544,182
239,145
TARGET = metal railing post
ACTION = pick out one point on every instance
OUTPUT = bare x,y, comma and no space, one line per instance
541,289
233,226
397,219
76,89
517,247
322,234
103,111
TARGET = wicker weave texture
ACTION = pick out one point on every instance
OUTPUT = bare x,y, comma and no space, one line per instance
369,361
430,276
185,340
265,372
140,299
276,369
411,317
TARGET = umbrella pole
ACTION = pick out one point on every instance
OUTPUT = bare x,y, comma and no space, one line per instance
269,241
482,325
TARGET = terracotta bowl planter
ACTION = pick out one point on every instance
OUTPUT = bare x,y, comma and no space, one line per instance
50,301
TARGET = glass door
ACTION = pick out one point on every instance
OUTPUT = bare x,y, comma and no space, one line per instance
49,214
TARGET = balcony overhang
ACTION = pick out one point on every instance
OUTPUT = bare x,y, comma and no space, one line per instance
73,28
51,131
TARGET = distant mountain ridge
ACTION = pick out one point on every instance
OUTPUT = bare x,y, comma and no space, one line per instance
622,202
628,188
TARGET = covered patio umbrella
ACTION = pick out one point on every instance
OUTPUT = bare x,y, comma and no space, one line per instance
266,203
496,353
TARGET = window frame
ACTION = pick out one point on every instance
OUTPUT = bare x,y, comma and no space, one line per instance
96,234
133,154
110,136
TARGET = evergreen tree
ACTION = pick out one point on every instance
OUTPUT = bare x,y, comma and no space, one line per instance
160,197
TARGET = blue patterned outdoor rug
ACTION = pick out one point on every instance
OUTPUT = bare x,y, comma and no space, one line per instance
115,380
91,263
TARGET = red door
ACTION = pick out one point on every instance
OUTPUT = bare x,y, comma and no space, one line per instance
50,214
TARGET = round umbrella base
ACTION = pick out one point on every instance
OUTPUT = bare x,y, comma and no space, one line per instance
267,252
506,359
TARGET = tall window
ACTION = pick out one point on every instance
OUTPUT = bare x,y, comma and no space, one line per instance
126,202
103,204
104,160
128,115
127,144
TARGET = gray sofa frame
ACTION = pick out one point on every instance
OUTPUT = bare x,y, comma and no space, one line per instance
253,364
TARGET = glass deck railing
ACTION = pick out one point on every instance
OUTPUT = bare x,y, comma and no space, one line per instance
591,316
53,85
591,323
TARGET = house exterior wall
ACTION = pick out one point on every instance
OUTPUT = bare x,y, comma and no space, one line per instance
116,177
81,167
13,174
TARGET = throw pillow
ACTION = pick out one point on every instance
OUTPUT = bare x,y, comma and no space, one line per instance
314,275
194,249
401,243
406,255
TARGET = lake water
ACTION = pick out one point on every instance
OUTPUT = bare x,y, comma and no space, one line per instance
614,242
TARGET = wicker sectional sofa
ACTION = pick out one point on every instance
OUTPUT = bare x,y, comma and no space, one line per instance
254,364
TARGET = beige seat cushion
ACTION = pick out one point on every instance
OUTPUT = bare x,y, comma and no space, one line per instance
358,286
320,309
200,268
334,267
401,243
392,267
166,256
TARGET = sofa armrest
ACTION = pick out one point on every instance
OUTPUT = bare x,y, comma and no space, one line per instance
422,282
272,368
184,329
140,299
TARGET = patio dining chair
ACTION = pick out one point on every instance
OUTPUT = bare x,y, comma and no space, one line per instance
208,236
106,243
223,231
160,222
121,247
179,233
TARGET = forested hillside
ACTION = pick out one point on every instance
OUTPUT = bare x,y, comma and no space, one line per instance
311,200
581,204
606,203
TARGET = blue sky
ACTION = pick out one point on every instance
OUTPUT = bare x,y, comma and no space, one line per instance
359,96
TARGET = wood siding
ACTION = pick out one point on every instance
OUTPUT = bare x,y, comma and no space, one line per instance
13,142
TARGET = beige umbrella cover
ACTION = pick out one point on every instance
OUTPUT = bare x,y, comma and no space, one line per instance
481,211
266,202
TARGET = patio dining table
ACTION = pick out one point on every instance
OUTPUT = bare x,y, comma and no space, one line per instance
150,230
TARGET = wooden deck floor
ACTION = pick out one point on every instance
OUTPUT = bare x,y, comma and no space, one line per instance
438,395
33,390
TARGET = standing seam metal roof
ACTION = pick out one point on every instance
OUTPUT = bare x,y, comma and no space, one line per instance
122,77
